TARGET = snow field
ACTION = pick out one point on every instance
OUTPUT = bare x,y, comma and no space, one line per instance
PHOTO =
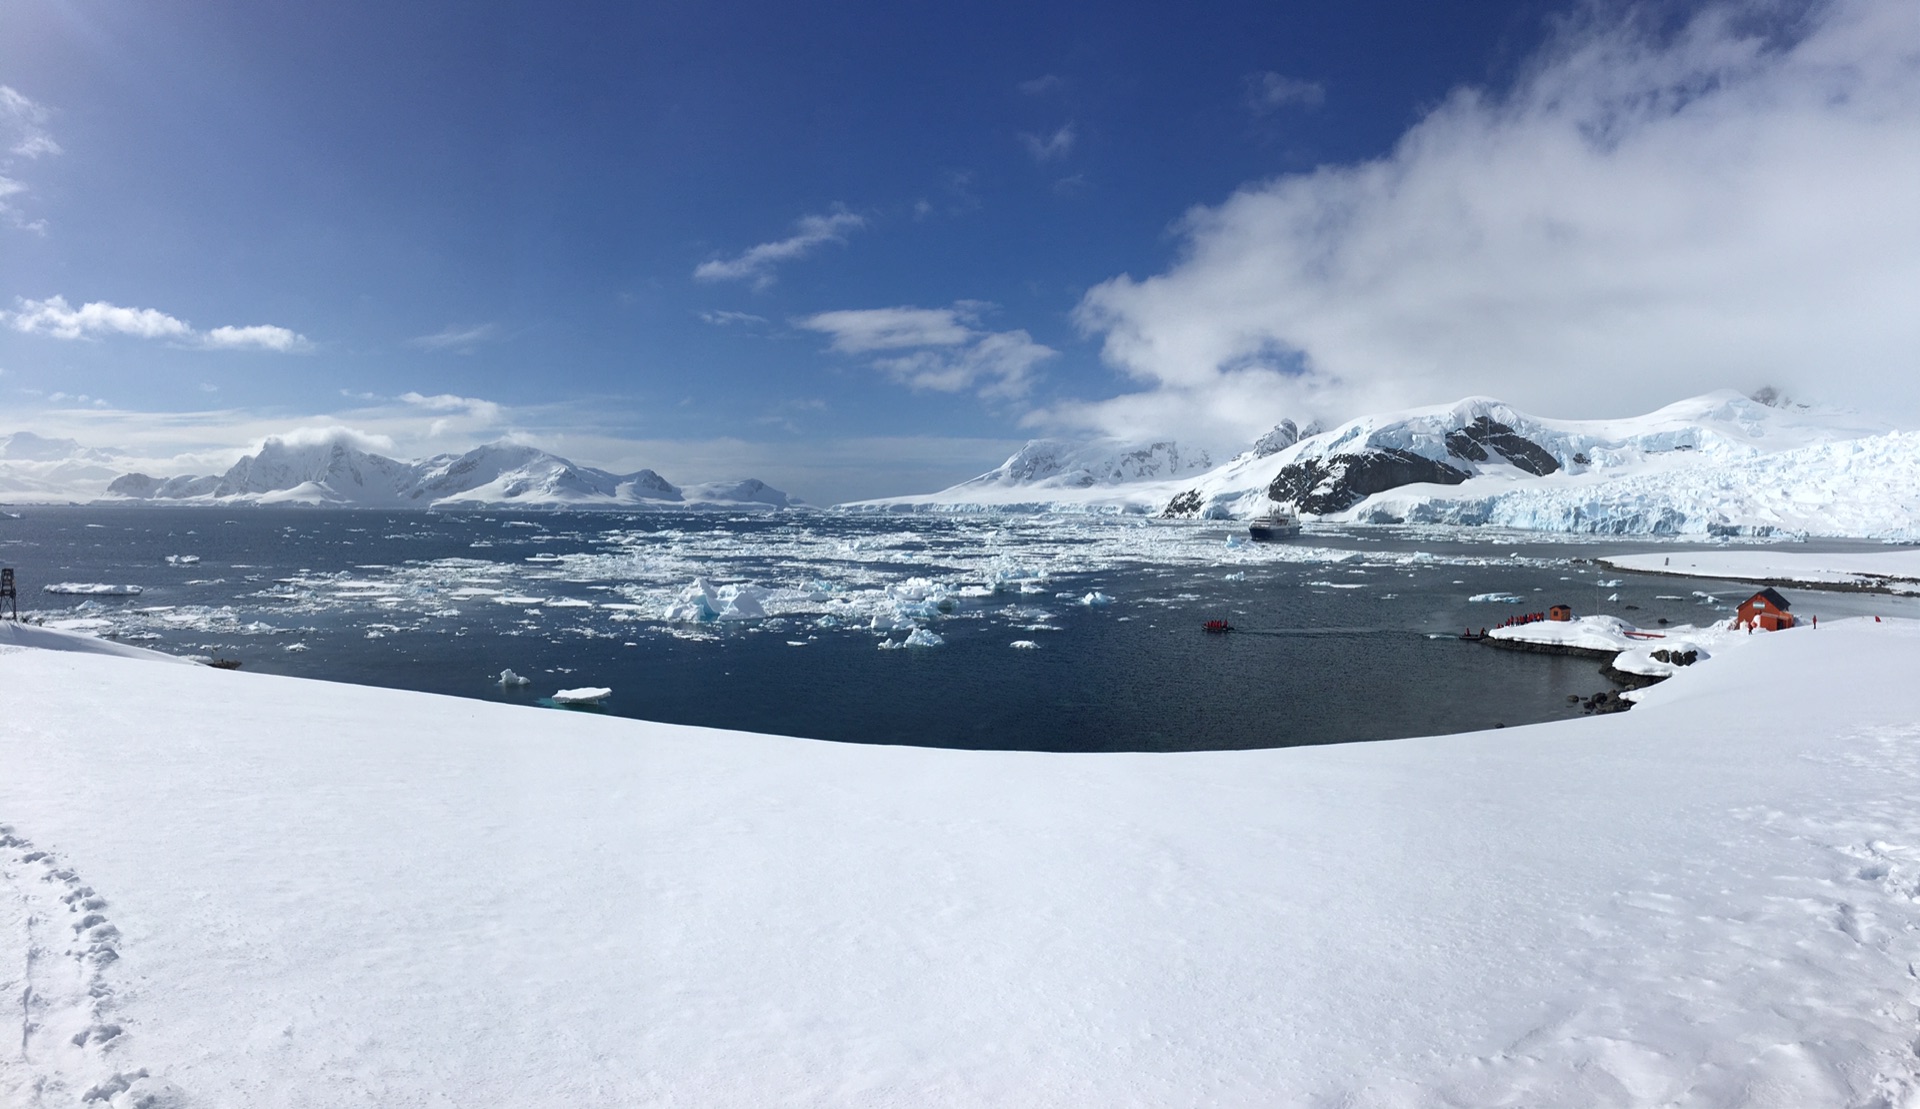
339,896
1893,570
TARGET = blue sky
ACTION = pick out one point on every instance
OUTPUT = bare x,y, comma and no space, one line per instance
864,249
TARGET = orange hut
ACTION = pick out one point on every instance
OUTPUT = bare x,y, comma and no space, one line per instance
1765,610
1560,612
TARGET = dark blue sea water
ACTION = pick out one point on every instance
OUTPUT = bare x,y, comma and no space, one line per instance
1343,635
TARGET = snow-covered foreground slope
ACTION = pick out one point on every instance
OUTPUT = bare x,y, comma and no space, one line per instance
326,895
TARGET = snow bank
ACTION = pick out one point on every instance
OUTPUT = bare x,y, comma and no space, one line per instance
16,634
1892,570
330,895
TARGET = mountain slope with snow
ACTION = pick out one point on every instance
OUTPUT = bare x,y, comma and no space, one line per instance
1715,464
1062,475
1494,448
334,470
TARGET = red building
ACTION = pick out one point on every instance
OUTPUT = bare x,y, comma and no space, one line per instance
1560,612
1765,610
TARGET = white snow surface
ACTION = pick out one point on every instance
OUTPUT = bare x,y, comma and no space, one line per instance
14,633
1632,647
1896,571
329,895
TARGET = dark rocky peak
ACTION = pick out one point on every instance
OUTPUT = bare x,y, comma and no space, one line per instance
1319,486
1485,433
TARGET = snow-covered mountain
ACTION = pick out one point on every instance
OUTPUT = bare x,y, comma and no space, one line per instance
1059,475
35,468
1716,464
1479,460
335,470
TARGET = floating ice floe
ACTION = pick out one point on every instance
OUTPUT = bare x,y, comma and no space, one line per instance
294,647
1495,599
1096,599
510,679
921,637
701,603
182,560
93,589
1024,645
585,695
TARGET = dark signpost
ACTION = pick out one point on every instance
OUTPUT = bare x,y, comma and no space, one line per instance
8,594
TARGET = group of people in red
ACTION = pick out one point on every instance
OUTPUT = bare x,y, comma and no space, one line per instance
1524,618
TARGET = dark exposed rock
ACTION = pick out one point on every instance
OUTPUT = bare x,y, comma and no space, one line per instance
1323,485
1486,433
1183,505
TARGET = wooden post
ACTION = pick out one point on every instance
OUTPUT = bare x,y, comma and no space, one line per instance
8,594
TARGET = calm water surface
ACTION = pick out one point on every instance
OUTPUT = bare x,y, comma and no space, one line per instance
1344,635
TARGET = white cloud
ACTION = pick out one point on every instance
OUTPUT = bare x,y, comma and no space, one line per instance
457,338
724,318
1050,148
1641,218
327,434
23,131
24,123
57,319
1270,92
463,415
257,337
859,330
756,264
942,349
1044,83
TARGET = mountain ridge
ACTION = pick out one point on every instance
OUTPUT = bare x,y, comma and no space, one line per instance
335,470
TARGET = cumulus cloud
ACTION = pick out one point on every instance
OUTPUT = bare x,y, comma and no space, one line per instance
756,264
327,435
939,349
257,337
57,319
1646,214
463,415
457,338
1049,148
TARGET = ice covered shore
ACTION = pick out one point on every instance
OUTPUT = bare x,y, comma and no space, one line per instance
271,891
